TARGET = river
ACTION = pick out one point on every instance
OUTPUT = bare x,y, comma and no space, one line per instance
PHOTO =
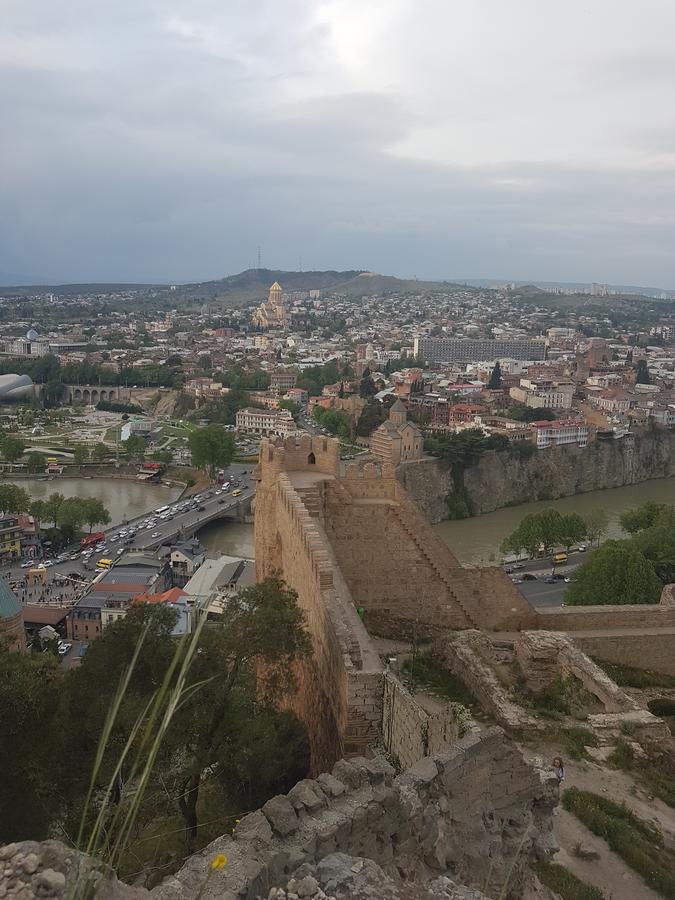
476,541
124,498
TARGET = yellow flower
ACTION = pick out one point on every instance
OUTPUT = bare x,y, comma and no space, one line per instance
219,862
237,821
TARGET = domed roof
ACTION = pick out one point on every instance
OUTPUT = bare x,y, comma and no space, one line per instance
32,335
9,604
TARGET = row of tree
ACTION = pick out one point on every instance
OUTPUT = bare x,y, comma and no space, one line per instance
632,570
542,531
195,709
66,515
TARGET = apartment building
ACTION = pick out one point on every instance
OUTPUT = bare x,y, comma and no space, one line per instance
10,538
265,421
543,393
559,433
466,350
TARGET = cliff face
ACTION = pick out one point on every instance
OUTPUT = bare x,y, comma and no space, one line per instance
503,478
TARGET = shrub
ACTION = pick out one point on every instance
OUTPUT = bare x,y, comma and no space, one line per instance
639,843
423,670
662,706
564,883
576,740
630,676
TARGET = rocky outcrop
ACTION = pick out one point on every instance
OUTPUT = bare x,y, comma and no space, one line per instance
505,478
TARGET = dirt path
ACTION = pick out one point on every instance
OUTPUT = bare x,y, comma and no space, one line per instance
609,873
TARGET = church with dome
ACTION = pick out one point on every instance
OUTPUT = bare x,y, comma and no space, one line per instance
273,313
397,440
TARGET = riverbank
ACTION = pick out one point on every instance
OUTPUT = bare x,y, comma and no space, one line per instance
507,478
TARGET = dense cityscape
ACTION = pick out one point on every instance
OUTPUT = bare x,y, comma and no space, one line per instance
337,451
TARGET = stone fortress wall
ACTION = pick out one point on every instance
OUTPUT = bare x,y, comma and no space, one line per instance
349,538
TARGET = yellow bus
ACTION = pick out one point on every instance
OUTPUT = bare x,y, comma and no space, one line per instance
559,558
52,460
104,563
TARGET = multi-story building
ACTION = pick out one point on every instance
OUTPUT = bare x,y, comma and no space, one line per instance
10,538
281,382
544,393
447,349
265,421
397,440
558,433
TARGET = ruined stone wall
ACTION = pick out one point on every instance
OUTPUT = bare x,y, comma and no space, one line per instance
408,731
503,478
466,810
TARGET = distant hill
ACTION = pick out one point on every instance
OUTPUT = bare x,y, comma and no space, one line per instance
69,290
254,284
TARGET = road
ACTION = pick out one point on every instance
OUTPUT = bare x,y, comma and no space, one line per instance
537,592
140,535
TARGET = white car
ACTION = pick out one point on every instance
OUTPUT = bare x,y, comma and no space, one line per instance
26,565
64,648
156,534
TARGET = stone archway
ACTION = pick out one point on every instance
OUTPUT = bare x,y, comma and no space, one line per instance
311,459
94,396
76,394
85,395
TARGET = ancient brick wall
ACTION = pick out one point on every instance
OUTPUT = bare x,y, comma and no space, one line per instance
655,652
603,618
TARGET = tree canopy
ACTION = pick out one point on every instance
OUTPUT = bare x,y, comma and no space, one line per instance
212,448
543,531
615,573
226,739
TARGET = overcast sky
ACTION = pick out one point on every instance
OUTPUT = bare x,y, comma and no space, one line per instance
157,139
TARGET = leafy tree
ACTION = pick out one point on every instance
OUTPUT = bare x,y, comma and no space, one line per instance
71,517
35,462
94,513
544,530
372,416
571,530
334,420
642,372
37,509
13,499
597,523
211,448
80,454
292,406
367,386
12,448
100,452
633,520
30,685
495,382
615,573
227,729
52,393
134,448
52,505
522,413
657,543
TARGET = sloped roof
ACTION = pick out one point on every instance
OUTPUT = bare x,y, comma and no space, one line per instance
9,604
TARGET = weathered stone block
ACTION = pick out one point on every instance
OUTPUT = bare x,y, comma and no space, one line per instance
281,815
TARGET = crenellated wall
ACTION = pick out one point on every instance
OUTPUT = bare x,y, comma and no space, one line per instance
339,693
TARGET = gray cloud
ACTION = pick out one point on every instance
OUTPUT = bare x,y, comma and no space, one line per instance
161,140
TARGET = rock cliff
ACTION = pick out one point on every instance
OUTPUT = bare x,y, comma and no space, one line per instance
505,478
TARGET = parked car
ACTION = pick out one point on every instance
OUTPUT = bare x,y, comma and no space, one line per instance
64,648
550,579
528,576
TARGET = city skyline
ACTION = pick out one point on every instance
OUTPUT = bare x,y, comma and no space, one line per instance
157,145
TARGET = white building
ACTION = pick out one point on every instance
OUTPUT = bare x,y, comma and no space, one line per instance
543,392
265,421
559,433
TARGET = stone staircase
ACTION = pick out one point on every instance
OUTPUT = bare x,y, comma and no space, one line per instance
313,501
442,571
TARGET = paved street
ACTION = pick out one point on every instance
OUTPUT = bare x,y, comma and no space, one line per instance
66,579
537,592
